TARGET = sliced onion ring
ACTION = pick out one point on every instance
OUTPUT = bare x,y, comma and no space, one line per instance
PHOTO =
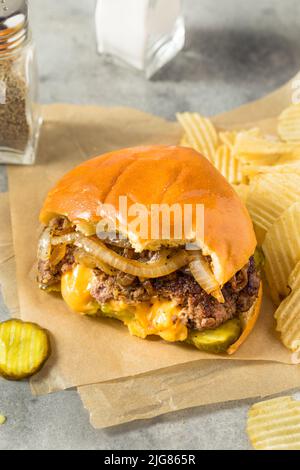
57,255
44,246
133,267
161,256
81,257
202,273
66,239
111,239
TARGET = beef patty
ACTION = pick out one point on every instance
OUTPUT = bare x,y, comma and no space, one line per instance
198,309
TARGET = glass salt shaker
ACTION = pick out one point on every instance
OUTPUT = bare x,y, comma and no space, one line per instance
145,34
20,117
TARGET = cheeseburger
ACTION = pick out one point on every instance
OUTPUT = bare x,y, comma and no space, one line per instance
110,249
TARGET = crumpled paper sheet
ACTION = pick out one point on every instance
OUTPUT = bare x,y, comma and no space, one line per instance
185,386
163,391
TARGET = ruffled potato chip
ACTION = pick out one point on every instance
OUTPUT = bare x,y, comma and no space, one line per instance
270,195
228,138
229,166
185,141
289,124
251,171
242,191
281,248
200,133
275,424
288,314
262,151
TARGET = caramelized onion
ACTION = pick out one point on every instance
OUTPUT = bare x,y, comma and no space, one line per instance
135,268
81,257
202,273
44,246
66,239
161,256
58,254
111,239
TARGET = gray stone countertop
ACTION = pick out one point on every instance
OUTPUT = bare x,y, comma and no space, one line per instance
236,51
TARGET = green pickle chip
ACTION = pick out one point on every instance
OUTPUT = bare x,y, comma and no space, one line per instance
218,340
259,258
24,348
123,315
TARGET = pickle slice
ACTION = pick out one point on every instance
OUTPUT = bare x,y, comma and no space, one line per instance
117,314
24,348
259,258
218,340
54,288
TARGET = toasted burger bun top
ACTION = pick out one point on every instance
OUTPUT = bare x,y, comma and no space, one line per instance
157,175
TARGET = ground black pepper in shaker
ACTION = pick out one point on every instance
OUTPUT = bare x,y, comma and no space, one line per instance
19,112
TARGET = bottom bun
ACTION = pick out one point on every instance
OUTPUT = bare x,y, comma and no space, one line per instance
249,319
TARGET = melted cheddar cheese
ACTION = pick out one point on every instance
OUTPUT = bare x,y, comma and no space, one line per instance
160,318
75,290
156,318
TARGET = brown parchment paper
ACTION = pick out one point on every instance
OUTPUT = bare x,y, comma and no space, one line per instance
87,351
8,283
163,391
184,386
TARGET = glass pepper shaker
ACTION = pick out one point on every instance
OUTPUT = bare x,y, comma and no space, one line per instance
20,117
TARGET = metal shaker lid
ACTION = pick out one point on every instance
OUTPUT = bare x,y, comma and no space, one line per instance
13,24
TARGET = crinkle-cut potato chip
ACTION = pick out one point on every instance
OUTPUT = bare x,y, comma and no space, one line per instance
281,248
229,166
275,424
289,158
259,233
264,151
229,137
200,132
289,124
251,171
288,314
2,420
270,195
185,141
252,132
294,278
242,191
